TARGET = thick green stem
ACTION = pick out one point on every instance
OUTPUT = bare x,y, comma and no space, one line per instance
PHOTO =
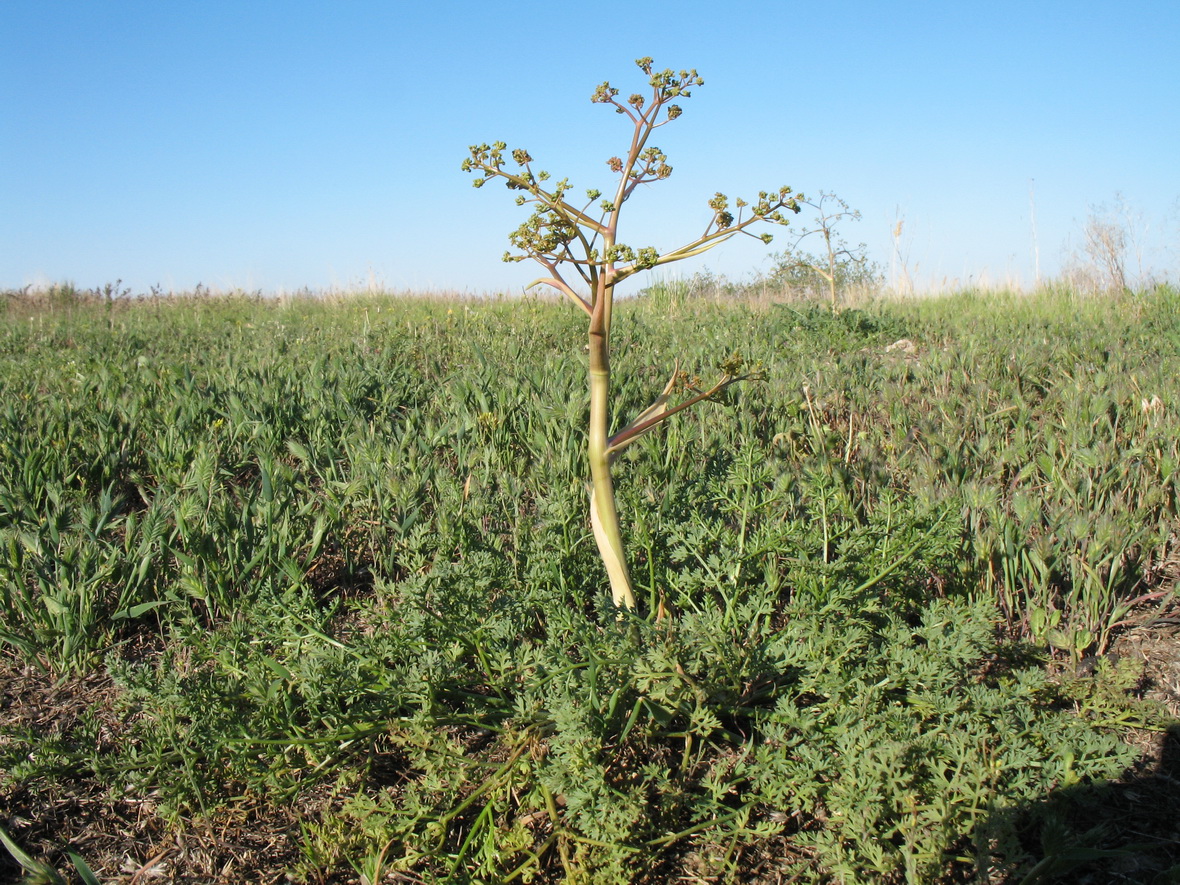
604,515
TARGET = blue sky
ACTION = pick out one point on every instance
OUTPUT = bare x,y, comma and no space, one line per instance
280,145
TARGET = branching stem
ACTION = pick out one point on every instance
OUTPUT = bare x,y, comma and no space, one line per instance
559,234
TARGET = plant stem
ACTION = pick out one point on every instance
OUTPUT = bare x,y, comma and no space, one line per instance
604,515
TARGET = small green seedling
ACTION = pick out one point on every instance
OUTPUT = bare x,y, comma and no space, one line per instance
578,247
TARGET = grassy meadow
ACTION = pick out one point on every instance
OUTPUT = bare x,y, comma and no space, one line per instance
305,590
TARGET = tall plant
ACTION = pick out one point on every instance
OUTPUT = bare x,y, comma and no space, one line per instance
840,266
579,248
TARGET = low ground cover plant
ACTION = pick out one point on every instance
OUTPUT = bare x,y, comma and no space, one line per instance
327,564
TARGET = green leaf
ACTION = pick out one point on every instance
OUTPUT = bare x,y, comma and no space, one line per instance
47,874
87,874
137,611
299,451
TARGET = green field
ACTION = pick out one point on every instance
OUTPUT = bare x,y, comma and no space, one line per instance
306,588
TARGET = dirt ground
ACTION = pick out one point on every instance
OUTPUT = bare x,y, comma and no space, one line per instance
1138,816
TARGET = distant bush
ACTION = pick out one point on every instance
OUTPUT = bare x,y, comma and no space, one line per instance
836,270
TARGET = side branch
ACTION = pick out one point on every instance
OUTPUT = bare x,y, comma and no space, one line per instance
632,432
726,228
561,286
519,182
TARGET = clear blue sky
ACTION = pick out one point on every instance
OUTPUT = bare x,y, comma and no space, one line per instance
277,145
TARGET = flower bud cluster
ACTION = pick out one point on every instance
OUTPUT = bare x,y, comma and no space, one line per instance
604,94
556,230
